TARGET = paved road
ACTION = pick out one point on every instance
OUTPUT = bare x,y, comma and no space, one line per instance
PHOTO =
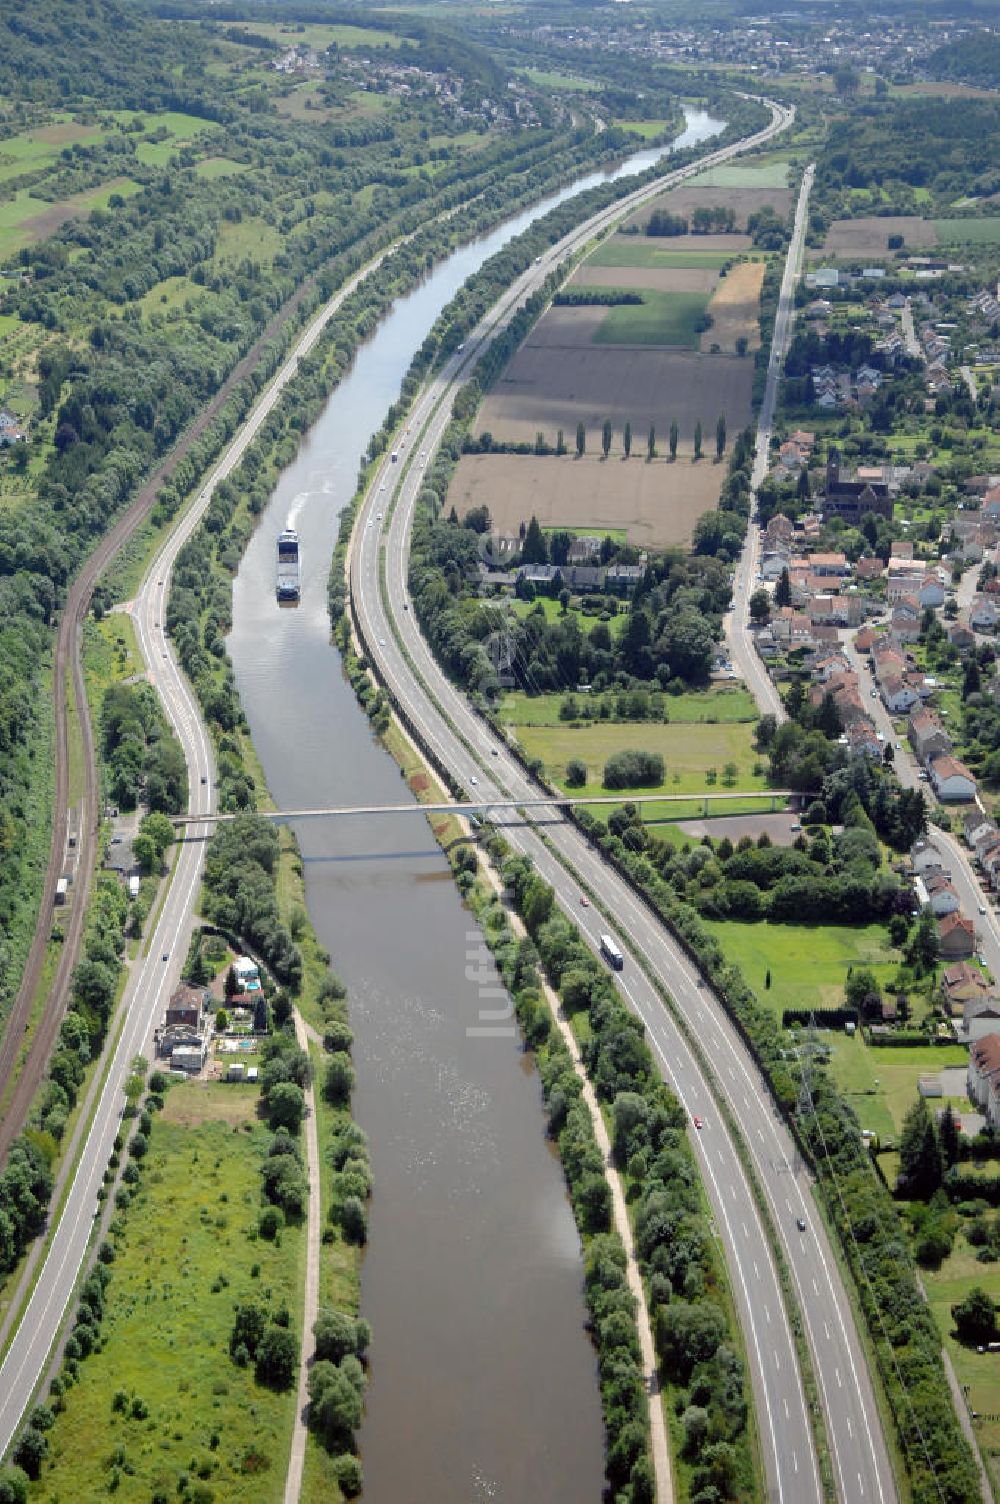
152,977
742,652
909,333
459,741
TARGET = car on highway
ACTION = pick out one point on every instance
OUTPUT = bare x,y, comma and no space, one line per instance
381,642
800,1223
585,903
166,955
874,694
697,1121
473,779
203,778
982,908
406,606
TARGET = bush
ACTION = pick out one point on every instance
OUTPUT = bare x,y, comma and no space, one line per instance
349,1475
277,1357
633,769
576,773
270,1222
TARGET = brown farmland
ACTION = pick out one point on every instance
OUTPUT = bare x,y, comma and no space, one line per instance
870,236
558,379
735,308
657,278
742,201
657,504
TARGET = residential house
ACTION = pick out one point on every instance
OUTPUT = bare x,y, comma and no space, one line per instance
975,824
831,663
951,778
927,736
942,895
585,550
924,855
622,579
901,548
932,590
185,1007
990,863
986,843
984,1077
778,531
983,614
868,569
962,983
956,937
862,739
980,1018
961,636
773,562
897,696
906,616
829,564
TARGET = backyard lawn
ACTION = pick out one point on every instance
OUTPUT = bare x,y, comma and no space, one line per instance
808,962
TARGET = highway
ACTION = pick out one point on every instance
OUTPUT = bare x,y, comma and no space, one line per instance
459,741
155,973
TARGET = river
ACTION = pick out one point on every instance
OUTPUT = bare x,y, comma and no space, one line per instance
483,1380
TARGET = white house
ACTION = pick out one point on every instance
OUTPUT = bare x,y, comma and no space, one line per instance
942,896
984,1077
983,614
952,779
980,1018
931,592
899,697
924,855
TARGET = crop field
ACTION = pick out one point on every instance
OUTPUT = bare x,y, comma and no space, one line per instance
549,386
685,277
658,252
656,504
734,307
184,1261
869,234
743,175
743,201
968,231
662,318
